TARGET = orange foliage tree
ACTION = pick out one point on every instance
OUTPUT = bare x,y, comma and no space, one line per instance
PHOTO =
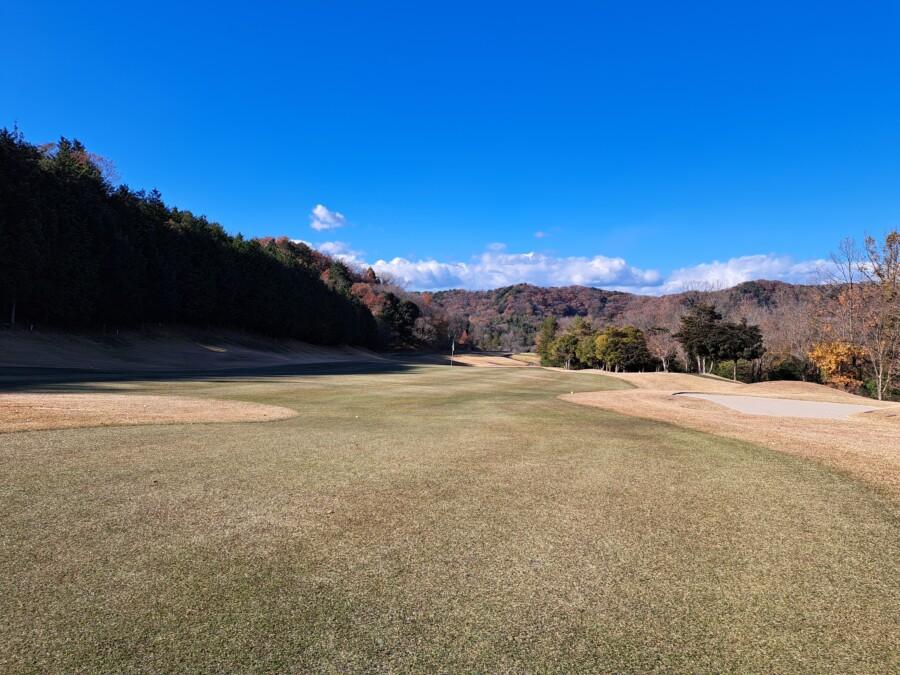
838,360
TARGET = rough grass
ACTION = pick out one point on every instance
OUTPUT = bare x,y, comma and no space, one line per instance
435,521
866,445
30,412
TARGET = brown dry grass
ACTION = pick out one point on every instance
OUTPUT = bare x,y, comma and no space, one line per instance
477,360
429,520
488,361
30,412
866,446
527,357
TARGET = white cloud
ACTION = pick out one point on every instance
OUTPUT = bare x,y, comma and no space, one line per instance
323,218
495,267
540,234
342,250
746,268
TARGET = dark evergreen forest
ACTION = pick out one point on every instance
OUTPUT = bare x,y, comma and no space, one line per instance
77,251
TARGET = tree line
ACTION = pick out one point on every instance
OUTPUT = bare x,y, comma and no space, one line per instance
843,331
854,333
704,336
77,251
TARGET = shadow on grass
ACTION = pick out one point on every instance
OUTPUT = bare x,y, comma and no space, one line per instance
20,379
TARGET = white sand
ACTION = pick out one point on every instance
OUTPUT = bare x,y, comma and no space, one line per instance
782,407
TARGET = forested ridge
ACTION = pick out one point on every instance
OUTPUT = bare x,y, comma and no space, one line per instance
77,251
509,318
843,330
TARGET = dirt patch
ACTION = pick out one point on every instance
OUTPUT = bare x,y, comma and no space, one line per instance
864,445
31,412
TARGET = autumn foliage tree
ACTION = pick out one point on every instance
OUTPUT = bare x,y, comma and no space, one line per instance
860,310
880,325
839,362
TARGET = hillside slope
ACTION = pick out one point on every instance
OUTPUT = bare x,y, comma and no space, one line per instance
164,350
508,318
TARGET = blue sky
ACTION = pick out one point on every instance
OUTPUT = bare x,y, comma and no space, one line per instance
625,145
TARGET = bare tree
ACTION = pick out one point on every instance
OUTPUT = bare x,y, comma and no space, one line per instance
790,329
841,277
661,345
392,281
659,320
880,326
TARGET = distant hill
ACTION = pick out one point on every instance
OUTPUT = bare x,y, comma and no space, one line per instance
79,252
508,317
533,301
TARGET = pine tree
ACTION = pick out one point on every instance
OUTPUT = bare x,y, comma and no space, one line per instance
545,338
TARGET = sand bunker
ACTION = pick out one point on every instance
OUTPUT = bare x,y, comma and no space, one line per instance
865,445
783,407
31,412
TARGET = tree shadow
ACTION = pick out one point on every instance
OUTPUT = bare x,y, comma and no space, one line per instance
28,379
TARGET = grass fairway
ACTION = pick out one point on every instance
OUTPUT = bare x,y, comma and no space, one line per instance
435,520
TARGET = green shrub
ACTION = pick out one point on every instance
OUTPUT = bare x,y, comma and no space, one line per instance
726,369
